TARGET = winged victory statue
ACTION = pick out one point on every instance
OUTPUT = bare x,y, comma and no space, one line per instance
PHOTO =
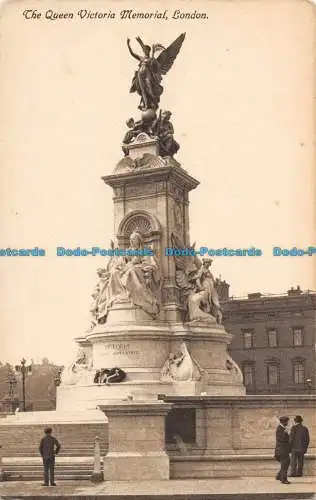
147,79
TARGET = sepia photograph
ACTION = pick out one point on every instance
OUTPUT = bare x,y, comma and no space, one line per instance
158,249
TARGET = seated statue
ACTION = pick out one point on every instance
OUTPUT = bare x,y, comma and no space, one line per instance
198,285
135,278
164,130
203,302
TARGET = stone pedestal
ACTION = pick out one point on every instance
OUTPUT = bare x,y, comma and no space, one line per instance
141,348
136,441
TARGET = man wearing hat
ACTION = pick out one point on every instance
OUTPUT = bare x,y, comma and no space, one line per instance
282,449
49,448
299,441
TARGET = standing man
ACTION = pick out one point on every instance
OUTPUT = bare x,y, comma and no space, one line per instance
49,448
282,449
299,441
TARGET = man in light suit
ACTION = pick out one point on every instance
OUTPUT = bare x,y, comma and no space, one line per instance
282,449
299,441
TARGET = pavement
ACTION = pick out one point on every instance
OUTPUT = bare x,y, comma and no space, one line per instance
241,488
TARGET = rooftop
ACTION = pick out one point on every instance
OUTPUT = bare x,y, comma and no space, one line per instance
293,292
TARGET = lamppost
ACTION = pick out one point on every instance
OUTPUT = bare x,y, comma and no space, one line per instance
12,385
24,369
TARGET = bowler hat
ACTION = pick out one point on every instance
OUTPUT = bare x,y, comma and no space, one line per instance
284,420
298,419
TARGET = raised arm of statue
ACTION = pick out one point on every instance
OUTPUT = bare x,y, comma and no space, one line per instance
141,43
133,54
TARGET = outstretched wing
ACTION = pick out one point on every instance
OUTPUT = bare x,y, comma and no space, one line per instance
167,57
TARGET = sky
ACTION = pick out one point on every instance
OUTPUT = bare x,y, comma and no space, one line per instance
241,94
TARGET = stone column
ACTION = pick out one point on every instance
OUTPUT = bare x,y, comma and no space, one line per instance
136,441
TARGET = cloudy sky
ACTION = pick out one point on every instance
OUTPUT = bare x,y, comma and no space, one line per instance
241,93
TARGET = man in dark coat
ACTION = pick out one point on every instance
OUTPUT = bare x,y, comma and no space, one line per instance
49,448
282,449
299,441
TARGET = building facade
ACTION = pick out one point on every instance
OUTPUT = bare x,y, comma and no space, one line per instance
273,340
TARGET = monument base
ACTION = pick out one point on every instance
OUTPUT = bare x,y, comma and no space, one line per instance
136,466
136,441
181,359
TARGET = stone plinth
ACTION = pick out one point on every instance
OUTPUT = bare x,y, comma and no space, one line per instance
142,145
141,348
136,441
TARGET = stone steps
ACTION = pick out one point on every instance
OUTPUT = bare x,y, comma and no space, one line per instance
20,471
21,440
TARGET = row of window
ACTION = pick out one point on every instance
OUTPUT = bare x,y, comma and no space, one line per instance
273,373
272,337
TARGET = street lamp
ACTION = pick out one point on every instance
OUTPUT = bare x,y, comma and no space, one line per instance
23,369
12,400
12,384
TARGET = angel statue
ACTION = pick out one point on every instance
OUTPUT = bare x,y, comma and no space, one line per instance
147,78
199,286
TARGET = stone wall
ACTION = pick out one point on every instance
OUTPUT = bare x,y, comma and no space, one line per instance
236,436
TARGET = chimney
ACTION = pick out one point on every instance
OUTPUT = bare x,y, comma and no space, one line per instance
294,291
222,289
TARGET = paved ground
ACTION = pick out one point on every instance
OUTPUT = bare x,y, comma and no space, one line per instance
199,489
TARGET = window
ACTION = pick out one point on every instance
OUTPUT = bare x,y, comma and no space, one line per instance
299,371
272,338
247,316
248,339
297,336
249,375
273,374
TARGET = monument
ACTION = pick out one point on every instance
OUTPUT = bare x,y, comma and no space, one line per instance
153,378
156,319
